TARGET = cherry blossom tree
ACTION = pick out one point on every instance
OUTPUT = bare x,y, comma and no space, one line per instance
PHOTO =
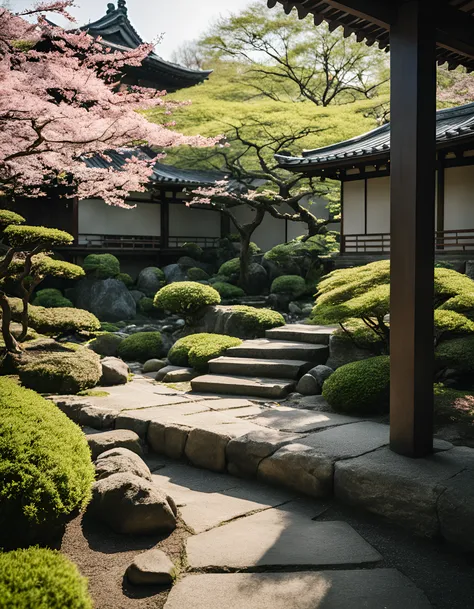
61,102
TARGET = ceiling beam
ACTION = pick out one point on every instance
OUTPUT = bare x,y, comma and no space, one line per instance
455,31
380,13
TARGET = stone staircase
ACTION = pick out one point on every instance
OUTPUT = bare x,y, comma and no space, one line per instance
267,367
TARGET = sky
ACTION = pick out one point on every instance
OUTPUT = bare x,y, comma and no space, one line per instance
178,20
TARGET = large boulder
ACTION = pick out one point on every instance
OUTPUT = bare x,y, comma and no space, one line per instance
108,299
257,279
343,351
106,440
114,371
137,295
175,272
242,322
150,280
121,461
130,504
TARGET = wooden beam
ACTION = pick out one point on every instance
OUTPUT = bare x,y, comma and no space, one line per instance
455,30
165,221
413,163
382,14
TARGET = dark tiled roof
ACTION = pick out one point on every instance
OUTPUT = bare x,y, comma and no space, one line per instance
378,32
453,125
162,173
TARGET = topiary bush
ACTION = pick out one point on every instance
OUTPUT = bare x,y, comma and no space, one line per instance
360,388
51,298
292,285
106,344
46,472
61,372
146,307
228,291
456,354
186,298
254,322
41,579
125,278
197,274
193,250
141,347
101,266
231,268
196,350
62,320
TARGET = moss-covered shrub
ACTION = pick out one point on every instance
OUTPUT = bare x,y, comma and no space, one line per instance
10,217
102,266
41,579
230,268
193,250
186,297
462,303
61,372
360,388
146,307
106,344
197,274
141,346
359,334
125,278
254,322
457,354
450,323
292,285
30,236
106,326
454,406
227,290
197,350
62,320
46,472
51,298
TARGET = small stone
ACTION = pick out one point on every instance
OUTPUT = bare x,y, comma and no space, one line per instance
121,461
308,385
167,329
180,323
114,371
164,371
100,442
321,374
294,308
180,376
153,365
151,568
307,308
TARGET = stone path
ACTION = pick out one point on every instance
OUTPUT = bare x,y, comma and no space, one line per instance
256,547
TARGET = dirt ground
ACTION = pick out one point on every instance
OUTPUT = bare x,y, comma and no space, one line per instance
103,557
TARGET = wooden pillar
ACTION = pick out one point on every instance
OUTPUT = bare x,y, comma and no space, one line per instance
413,162
75,220
225,225
440,199
165,221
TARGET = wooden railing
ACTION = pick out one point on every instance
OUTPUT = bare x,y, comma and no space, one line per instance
461,240
202,241
123,242
449,241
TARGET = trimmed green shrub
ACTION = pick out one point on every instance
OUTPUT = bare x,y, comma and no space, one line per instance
186,297
230,268
145,306
61,372
106,326
51,298
197,274
358,333
46,472
293,285
10,217
227,290
106,344
141,347
462,303
125,278
254,322
21,236
60,320
102,266
193,250
360,388
452,323
457,354
196,350
41,579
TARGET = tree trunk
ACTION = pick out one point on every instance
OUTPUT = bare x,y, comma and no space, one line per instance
24,318
244,258
10,342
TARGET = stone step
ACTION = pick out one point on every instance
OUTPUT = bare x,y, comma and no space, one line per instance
264,348
306,333
242,385
291,369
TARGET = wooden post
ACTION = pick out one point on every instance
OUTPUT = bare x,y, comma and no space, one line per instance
441,179
75,220
165,221
413,162
225,225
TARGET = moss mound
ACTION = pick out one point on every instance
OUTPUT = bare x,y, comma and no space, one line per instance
457,354
146,307
37,578
197,274
60,320
141,347
254,322
292,285
46,472
125,278
186,297
102,266
51,298
106,344
227,290
230,268
61,372
360,387
196,350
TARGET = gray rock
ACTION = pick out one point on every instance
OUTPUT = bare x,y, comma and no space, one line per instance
166,370
121,461
206,448
151,568
280,302
137,295
180,323
257,279
174,272
150,280
321,374
129,504
114,371
221,319
100,442
308,385
307,308
342,351
294,308
167,438
108,299
180,376
153,365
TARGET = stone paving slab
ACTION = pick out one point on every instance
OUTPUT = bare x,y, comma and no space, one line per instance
244,385
283,418
456,509
279,537
227,403
357,589
139,420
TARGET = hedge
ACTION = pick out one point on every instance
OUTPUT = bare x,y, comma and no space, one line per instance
229,268
254,322
60,320
20,236
141,347
46,472
102,266
61,372
196,350
37,578
293,285
227,290
186,297
360,388
51,298
106,344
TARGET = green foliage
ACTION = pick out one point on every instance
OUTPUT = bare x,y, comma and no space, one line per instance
102,266
197,350
43,265
46,472
457,354
454,406
186,297
197,274
141,347
106,326
41,579
462,303
125,278
61,372
360,388
449,322
51,298
146,307
230,268
227,290
9,217
193,250
294,251
450,283
292,285
106,344
30,236
357,332
254,322
60,320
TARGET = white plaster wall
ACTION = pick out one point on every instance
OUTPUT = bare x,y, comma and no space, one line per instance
353,208
98,218
271,231
459,198
378,205
193,222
